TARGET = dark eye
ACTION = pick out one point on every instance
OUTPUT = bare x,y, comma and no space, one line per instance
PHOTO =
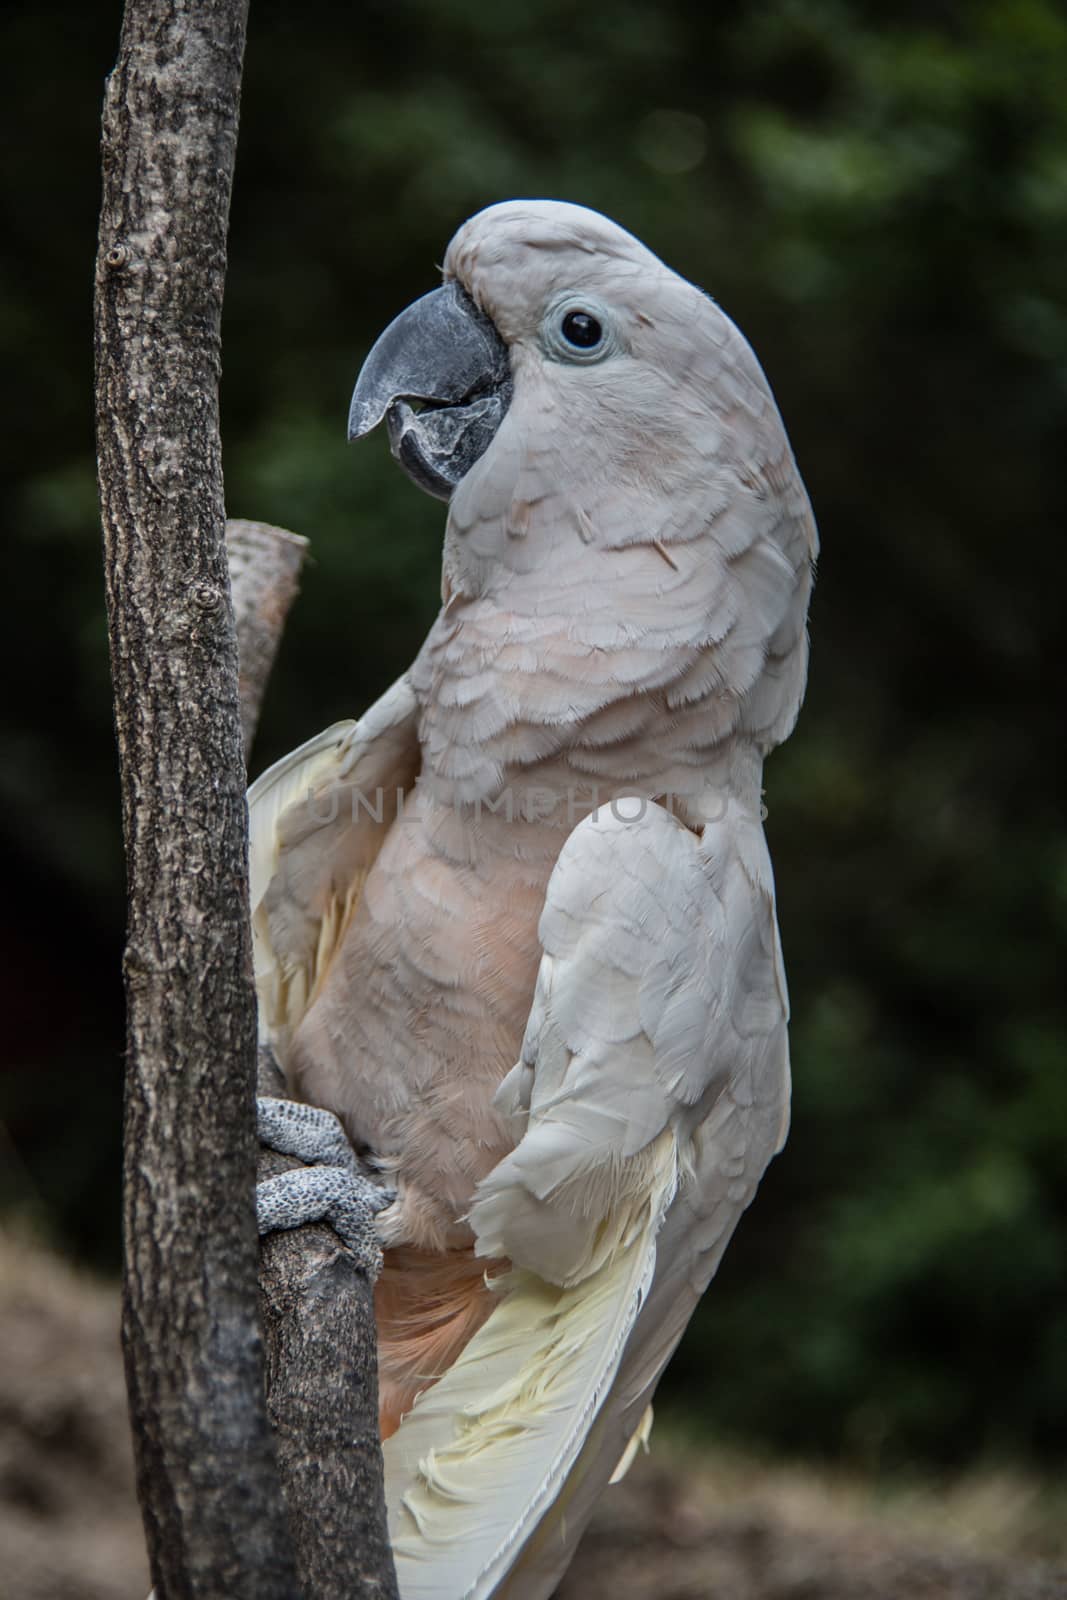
581,330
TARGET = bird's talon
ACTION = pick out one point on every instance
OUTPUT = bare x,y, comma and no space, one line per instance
349,1202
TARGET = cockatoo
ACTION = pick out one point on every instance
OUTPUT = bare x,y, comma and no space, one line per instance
515,927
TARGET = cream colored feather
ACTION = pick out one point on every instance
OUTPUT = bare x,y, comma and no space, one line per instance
317,819
482,1455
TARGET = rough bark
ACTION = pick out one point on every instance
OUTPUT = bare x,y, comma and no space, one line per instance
318,1306
206,1465
322,1395
265,565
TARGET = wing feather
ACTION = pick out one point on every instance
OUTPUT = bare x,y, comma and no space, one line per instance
317,820
645,1117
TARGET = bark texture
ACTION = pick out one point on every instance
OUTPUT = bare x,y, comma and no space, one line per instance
207,1471
265,565
317,1304
322,1394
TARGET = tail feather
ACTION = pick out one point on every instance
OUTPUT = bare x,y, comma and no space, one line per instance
484,1453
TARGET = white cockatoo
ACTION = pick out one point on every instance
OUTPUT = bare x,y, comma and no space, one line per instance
515,926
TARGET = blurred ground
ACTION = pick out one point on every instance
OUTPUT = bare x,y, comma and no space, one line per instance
69,1528
690,1529
684,1526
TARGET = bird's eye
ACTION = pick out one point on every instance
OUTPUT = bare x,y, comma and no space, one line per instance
581,330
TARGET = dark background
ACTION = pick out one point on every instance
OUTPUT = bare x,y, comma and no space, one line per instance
881,203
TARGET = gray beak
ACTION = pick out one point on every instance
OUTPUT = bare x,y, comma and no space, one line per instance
443,352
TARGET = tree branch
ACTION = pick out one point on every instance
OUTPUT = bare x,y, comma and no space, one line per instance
265,565
322,1395
318,1306
206,1467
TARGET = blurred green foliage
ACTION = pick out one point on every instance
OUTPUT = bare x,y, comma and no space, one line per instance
882,204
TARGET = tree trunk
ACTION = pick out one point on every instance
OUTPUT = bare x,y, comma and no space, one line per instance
207,1474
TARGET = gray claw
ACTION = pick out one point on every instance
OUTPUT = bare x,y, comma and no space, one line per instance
346,1200
333,1188
312,1135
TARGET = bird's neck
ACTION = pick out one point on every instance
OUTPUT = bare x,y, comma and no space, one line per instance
526,722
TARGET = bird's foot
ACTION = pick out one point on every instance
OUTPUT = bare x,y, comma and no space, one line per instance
333,1188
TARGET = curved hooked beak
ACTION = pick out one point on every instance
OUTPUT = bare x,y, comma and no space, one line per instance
445,353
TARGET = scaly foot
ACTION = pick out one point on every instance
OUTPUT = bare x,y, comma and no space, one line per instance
332,1189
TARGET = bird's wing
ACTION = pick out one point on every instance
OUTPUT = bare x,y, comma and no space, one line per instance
317,819
651,1091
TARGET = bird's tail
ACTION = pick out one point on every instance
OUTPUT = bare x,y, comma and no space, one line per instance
483,1455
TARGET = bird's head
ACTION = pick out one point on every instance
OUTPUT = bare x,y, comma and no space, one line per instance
576,401
546,304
